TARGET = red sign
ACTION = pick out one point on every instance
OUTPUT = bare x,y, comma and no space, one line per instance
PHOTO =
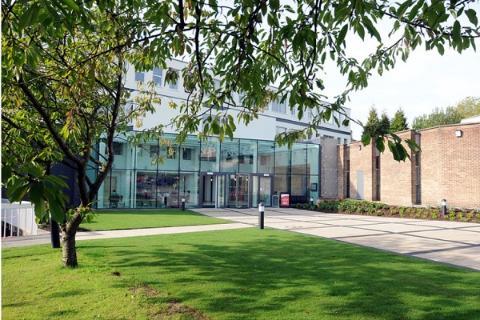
284,200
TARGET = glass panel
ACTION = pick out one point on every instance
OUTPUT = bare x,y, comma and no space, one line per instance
147,155
168,154
314,188
145,189
282,159
265,191
232,191
103,194
313,158
157,77
299,185
221,180
255,191
167,190
299,158
189,188
190,154
229,160
121,183
280,184
209,155
208,190
242,191
265,156
247,159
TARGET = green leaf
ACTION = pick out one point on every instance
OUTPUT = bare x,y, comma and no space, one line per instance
472,16
342,34
72,5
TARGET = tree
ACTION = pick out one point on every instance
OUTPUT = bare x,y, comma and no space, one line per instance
59,98
384,123
399,122
63,73
468,107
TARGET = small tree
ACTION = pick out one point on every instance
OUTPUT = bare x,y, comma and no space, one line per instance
399,122
61,97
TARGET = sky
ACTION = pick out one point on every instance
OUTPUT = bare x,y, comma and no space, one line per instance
426,81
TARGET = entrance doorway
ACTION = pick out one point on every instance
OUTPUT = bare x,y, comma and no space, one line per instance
261,190
212,190
220,190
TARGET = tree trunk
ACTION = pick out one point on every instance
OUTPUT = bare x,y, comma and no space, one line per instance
68,249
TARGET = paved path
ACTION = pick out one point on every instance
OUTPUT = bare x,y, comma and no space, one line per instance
456,243
92,235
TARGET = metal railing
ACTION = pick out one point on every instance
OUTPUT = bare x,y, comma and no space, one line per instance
18,219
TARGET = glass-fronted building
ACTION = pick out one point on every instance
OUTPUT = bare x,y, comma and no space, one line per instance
234,173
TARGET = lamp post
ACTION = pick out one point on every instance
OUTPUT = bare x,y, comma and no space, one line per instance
443,210
261,215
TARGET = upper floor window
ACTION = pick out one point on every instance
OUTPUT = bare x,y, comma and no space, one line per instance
157,76
278,106
139,76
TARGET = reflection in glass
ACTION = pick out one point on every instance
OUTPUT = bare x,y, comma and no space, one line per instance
265,156
229,160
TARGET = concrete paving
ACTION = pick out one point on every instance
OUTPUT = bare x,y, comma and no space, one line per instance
456,243
92,235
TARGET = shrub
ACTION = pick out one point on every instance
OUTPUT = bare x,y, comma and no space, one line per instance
469,216
451,215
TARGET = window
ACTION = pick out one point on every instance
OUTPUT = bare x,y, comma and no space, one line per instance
157,76
117,148
187,154
279,107
208,154
153,151
339,140
245,159
139,76
171,152
345,141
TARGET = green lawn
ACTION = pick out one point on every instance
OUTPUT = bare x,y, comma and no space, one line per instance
145,218
235,274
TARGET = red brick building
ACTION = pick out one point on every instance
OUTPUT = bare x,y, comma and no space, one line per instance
447,167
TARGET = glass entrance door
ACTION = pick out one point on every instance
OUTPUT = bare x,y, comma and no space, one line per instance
261,190
238,191
208,194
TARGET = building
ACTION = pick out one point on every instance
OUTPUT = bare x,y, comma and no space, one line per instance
212,173
447,167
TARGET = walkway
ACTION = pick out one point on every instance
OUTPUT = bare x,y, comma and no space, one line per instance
456,243
92,235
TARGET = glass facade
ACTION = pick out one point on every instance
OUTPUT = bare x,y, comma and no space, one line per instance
208,173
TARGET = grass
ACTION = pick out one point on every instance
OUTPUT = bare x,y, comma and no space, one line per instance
135,219
235,274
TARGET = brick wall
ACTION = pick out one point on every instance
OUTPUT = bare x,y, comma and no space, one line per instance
361,165
343,174
451,165
397,178
449,168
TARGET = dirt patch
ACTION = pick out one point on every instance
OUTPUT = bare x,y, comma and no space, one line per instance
173,309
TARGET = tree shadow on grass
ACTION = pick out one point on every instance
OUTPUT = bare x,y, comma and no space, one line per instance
273,273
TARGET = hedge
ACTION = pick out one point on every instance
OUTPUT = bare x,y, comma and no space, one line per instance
370,208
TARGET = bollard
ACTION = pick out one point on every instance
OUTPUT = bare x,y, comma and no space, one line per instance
443,210
261,215
311,201
183,204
